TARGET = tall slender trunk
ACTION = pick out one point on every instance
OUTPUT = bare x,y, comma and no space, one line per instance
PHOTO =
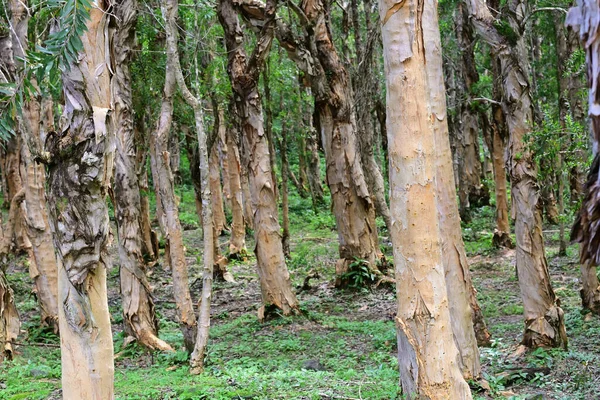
167,211
468,324
314,161
427,353
285,204
37,120
237,241
79,173
583,19
138,307
147,234
196,173
244,72
9,317
365,84
544,319
216,189
169,11
267,106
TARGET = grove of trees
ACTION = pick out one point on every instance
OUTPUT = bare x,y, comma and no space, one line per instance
400,119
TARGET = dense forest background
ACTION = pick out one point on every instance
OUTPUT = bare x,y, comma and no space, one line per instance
205,195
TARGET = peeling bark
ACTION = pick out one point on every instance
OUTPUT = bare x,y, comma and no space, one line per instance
79,173
237,241
37,120
468,324
216,190
9,317
427,354
244,72
138,307
584,19
544,319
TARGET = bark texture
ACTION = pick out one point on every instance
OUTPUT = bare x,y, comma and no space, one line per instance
244,73
138,307
427,353
585,20
9,317
237,241
468,324
351,201
80,168
544,319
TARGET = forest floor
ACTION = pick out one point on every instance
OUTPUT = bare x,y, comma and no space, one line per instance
343,347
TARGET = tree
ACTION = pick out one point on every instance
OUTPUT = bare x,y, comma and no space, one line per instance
583,18
138,307
544,319
427,352
167,210
80,163
37,119
244,74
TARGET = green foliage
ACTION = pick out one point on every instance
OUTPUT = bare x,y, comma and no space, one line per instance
506,31
359,274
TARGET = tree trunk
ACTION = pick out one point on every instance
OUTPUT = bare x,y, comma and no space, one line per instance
365,85
138,307
175,155
352,205
244,72
167,211
427,353
544,319
147,234
285,204
79,172
9,317
314,161
237,241
467,320
470,190
42,260
502,232
583,18
216,190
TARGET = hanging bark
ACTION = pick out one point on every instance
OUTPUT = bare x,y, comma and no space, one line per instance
37,120
80,164
427,353
584,20
9,317
544,319
237,241
138,307
221,144
167,211
244,73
